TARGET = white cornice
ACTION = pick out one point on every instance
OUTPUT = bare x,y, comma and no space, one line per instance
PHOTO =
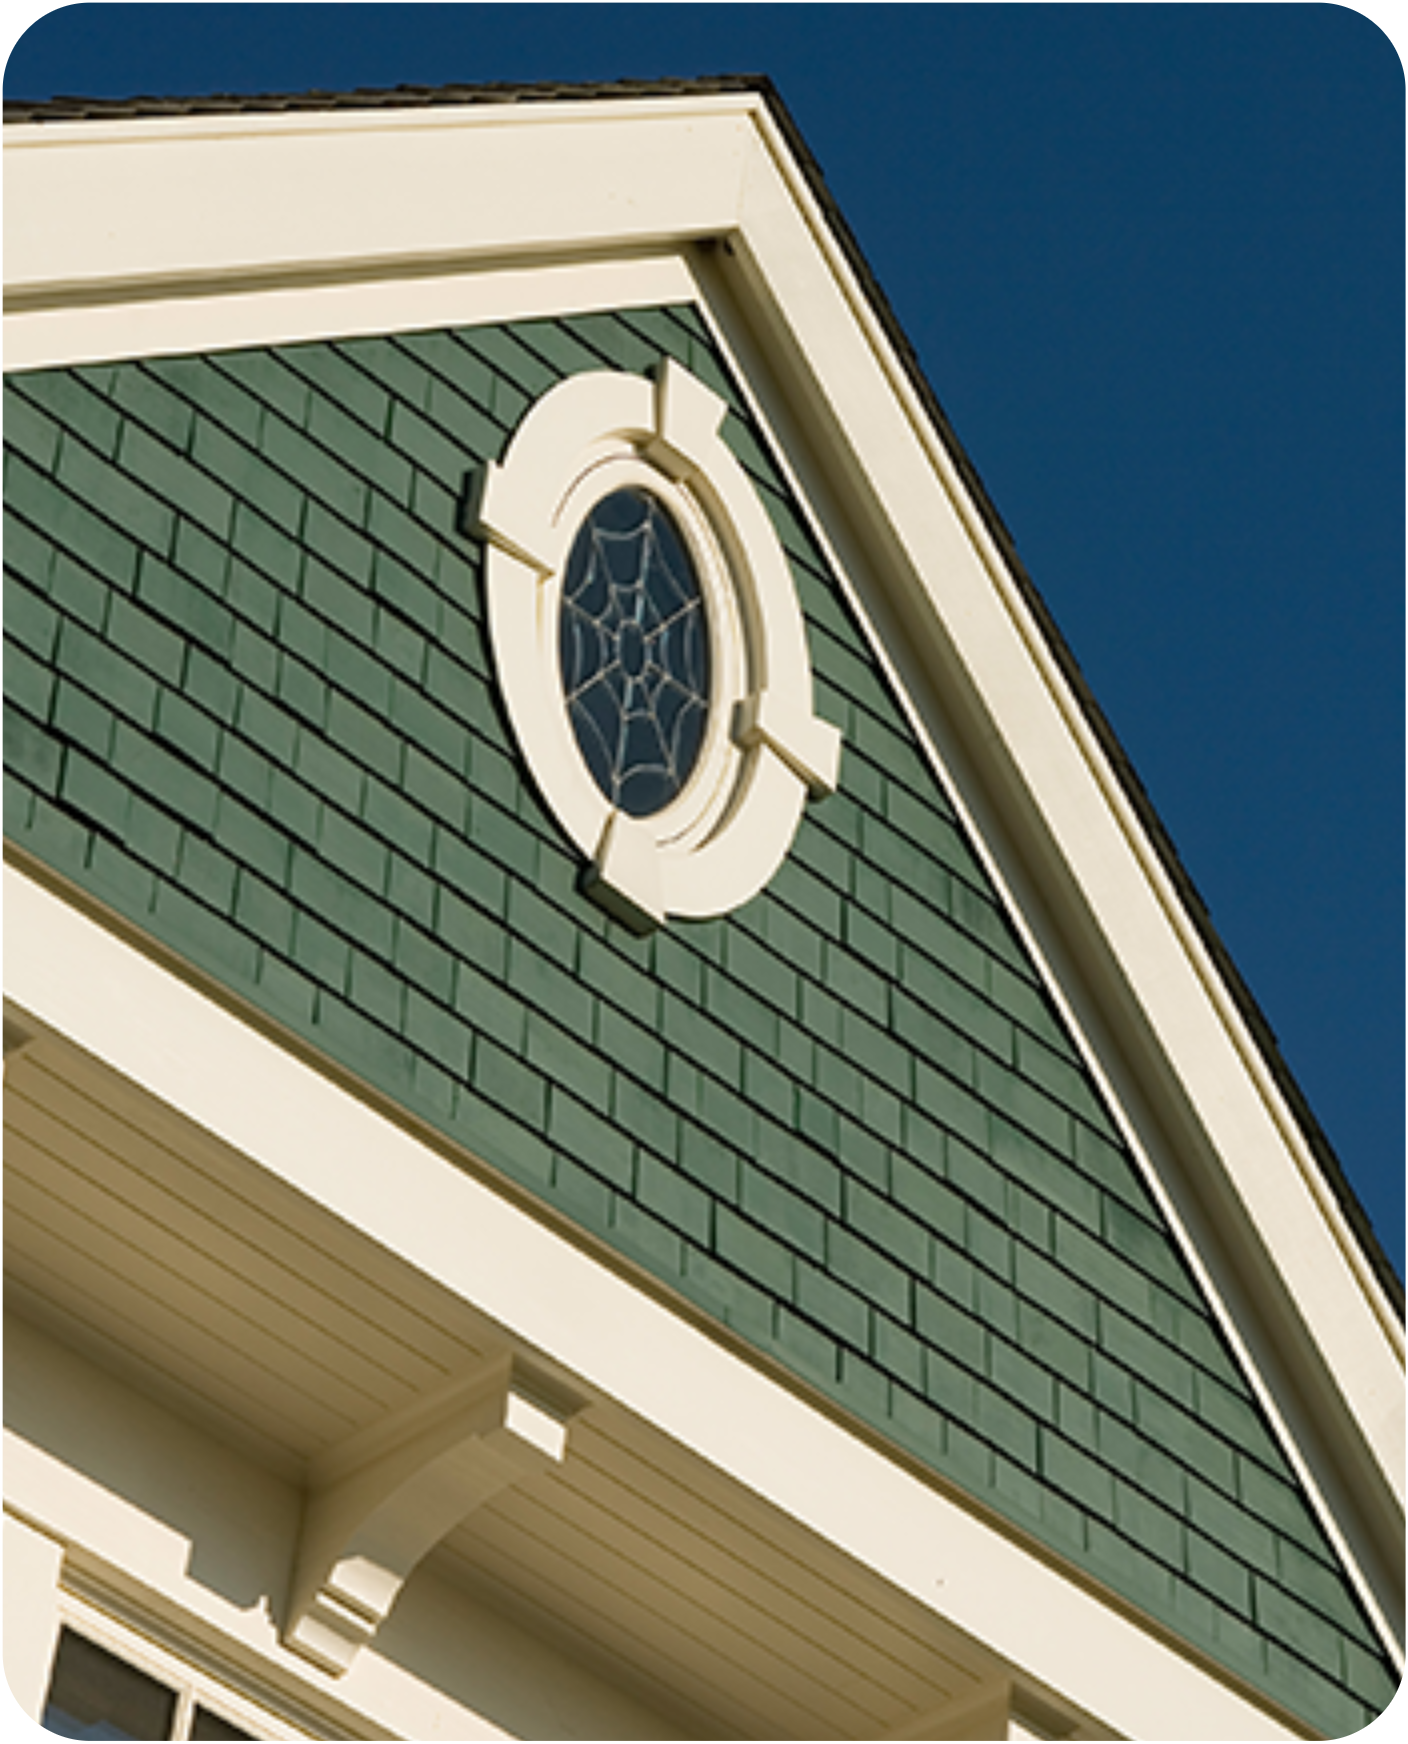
153,203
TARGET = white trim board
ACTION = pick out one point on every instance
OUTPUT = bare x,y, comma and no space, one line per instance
188,197
100,993
173,325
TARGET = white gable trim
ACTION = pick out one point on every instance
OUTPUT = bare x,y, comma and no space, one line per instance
173,325
82,982
166,218
181,201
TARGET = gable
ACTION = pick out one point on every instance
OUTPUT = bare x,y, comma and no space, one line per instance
255,716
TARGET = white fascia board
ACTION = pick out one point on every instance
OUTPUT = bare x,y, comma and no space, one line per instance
84,983
229,195
171,243
367,218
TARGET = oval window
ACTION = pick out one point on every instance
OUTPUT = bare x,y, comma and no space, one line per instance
634,652
650,644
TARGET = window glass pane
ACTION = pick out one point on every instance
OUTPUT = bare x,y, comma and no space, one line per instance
208,1725
94,1694
634,652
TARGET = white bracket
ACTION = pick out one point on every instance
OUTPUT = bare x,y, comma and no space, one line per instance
381,1500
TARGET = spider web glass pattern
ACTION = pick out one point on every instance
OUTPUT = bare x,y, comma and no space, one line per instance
635,652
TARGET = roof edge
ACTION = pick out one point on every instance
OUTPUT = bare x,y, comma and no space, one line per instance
48,110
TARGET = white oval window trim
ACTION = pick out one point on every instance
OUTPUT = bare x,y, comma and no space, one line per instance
721,838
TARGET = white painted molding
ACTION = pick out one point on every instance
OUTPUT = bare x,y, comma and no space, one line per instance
32,1560
173,324
380,1501
68,974
182,200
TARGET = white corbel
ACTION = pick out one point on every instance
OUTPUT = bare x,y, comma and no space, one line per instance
381,1500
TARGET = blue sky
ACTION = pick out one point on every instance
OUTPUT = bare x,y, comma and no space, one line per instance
1151,260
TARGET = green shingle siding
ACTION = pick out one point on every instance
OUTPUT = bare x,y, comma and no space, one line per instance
249,705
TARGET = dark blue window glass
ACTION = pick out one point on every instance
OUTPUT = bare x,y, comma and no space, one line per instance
635,652
96,1695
